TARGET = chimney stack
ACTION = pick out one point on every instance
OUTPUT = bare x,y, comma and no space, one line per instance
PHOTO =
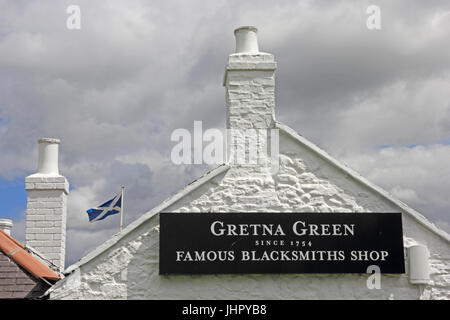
249,83
6,225
47,194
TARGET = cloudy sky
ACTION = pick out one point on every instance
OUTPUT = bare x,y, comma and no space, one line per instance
114,91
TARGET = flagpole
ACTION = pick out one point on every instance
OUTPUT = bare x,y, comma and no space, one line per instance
121,210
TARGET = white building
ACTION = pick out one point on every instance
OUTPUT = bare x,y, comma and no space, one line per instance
307,180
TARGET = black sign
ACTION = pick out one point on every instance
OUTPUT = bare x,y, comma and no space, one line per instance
215,243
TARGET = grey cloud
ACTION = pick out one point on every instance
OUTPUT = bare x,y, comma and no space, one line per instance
418,175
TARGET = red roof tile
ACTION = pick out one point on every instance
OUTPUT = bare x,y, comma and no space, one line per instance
16,251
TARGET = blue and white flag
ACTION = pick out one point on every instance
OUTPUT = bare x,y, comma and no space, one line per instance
110,207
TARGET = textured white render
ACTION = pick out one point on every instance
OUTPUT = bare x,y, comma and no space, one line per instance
45,228
126,266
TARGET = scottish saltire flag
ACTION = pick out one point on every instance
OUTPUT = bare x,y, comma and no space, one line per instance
110,207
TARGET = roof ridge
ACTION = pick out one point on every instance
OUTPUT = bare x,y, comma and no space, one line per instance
48,263
17,252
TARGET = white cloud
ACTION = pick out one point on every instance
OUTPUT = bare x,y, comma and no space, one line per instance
406,194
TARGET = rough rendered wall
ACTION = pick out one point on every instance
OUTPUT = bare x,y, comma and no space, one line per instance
305,182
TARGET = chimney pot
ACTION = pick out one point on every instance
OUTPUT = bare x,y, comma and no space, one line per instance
246,40
48,156
6,225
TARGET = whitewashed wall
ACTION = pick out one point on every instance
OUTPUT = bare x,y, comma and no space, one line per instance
305,182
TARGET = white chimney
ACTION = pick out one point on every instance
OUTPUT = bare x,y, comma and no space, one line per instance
6,225
47,193
249,83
